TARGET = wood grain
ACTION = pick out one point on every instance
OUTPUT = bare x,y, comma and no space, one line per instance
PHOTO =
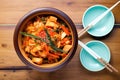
12,68
11,11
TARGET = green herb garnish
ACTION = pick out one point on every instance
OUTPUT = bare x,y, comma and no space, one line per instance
51,42
32,36
48,37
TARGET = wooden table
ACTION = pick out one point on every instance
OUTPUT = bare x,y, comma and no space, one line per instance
11,67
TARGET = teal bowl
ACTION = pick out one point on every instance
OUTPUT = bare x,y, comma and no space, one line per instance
89,62
104,26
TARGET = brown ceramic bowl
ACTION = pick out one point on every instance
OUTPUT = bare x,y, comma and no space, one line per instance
20,27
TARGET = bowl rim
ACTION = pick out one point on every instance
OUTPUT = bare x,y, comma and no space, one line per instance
52,11
102,6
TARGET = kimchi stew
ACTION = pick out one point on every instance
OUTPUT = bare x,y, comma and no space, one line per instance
46,40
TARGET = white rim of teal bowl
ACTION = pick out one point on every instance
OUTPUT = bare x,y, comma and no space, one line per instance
92,30
90,63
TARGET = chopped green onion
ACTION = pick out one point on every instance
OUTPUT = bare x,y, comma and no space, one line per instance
48,37
51,42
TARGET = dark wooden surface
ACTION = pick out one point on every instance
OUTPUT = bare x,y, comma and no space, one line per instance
11,67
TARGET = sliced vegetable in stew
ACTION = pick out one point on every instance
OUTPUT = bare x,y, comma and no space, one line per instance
46,40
